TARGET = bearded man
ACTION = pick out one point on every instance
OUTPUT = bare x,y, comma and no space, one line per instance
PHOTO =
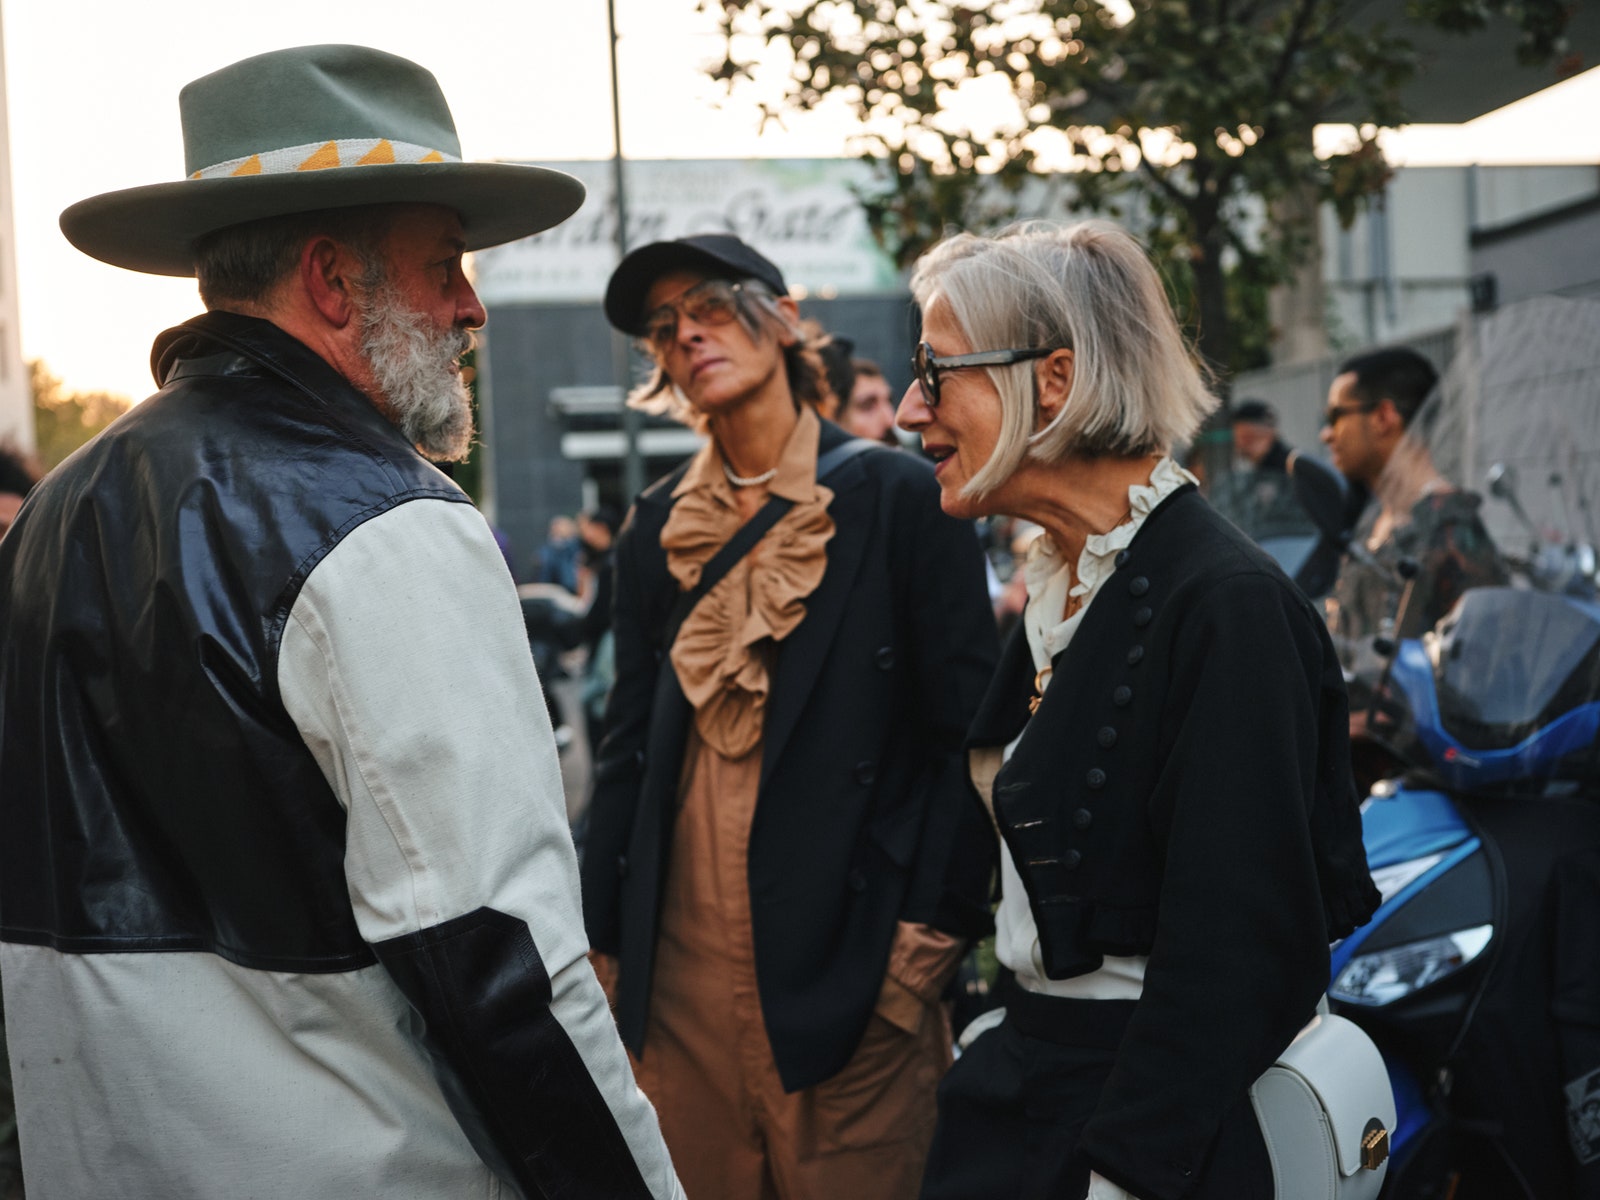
288,906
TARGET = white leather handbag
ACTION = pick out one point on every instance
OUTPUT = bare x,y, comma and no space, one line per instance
1326,1112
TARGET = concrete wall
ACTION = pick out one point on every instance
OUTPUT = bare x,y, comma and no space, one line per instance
1405,265
1553,252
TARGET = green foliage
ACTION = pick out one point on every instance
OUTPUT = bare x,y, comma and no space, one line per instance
65,420
1189,119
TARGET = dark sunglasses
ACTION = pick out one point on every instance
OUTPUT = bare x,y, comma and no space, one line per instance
1332,416
714,302
926,365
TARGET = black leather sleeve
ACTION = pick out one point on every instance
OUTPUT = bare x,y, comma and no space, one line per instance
511,1074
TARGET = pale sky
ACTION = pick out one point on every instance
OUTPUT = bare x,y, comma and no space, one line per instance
92,90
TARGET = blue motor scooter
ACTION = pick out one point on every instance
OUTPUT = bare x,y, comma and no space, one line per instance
1479,977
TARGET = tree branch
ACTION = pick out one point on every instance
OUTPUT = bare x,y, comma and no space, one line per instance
1280,75
1158,176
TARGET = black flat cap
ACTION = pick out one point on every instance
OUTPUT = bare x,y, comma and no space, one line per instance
720,255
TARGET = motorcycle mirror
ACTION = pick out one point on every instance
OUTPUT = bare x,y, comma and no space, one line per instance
1501,481
1320,491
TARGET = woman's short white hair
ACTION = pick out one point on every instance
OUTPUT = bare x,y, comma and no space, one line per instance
1137,387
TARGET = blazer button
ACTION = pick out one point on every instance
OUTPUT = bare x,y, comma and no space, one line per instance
1122,696
1071,859
1135,655
857,880
1107,737
638,759
866,773
884,658
1122,558
1096,778
1141,616
1083,818
1138,585
622,866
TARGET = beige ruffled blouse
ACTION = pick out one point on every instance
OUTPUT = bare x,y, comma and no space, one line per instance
725,648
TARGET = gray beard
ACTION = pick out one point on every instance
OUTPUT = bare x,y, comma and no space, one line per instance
411,368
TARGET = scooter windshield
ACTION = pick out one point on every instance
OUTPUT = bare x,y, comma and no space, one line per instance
1498,659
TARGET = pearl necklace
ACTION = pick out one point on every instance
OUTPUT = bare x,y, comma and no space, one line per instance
740,481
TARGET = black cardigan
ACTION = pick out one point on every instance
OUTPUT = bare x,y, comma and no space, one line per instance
1184,792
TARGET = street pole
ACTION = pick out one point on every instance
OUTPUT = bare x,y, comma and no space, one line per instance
632,419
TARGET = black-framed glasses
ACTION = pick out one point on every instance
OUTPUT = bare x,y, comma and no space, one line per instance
1333,415
713,302
926,365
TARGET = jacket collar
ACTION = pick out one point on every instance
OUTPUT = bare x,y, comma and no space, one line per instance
270,349
802,654
1004,712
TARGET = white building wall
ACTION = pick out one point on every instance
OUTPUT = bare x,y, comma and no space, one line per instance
16,399
1404,267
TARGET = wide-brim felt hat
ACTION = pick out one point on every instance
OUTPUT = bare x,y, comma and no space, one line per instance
311,128
715,254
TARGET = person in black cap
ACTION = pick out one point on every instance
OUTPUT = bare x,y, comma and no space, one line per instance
1284,499
784,858
1258,497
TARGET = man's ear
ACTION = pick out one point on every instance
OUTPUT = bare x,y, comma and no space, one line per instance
327,273
1388,417
1053,377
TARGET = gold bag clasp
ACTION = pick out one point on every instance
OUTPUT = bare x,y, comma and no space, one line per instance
1374,1145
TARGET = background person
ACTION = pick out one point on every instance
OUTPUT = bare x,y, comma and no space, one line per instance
869,412
557,560
18,474
283,824
838,368
1163,746
597,530
1416,513
1258,497
1264,497
784,855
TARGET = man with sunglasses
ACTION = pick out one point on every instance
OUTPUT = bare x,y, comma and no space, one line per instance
785,858
1416,513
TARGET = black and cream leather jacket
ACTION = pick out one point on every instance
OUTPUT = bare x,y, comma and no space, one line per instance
280,822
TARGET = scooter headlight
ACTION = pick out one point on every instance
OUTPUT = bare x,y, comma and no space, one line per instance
1384,976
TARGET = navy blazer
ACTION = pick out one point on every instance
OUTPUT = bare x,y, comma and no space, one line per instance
1184,792
865,815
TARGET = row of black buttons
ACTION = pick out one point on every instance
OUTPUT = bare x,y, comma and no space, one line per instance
1121,696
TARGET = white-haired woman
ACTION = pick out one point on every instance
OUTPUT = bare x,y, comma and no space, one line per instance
783,860
1163,748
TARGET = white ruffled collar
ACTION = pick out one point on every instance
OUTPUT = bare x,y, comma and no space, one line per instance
1049,582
